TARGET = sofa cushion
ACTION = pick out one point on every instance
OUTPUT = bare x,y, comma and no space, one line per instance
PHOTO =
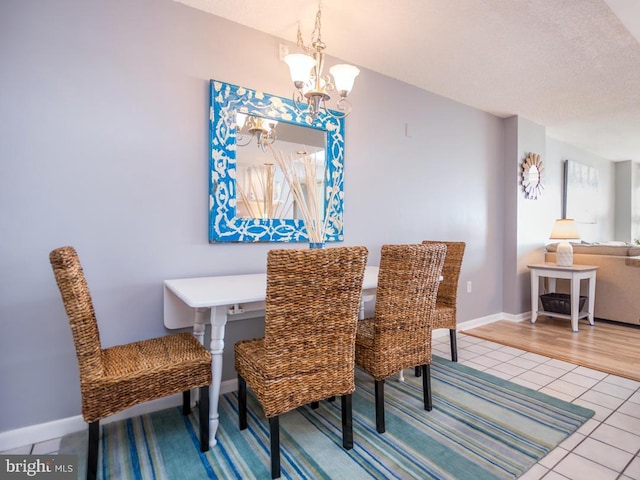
618,250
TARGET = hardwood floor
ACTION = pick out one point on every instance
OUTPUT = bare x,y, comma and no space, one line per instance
607,346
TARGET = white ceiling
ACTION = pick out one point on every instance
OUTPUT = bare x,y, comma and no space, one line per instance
571,65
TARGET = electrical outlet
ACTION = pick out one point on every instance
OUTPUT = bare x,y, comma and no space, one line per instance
469,287
283,51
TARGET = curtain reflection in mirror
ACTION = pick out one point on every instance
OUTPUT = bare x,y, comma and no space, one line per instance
261,192
264,190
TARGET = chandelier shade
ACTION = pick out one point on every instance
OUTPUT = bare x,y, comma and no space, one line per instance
344,76
300,66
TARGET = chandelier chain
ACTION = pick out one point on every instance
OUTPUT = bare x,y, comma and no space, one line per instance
316,34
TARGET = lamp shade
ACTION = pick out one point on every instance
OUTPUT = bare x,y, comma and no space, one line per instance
564,229
300,66
343,77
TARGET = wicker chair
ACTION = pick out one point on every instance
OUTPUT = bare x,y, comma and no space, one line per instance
115,378
399,335
307,351
445,315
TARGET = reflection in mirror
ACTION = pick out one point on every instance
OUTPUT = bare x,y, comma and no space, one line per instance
250,127
249,199
534,175
262,189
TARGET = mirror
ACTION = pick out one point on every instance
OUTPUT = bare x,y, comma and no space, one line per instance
261,186
532,170
248,198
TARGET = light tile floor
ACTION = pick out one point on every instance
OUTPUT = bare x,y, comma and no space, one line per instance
606,447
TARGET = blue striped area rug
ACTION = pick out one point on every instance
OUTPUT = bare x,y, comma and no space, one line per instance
481,427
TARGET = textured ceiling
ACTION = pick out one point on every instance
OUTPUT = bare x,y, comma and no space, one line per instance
571,65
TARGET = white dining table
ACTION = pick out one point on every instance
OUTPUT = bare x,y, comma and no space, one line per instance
201,301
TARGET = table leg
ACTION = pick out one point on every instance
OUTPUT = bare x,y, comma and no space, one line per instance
198,331
200,324
575,303
592,297
535,286
218,322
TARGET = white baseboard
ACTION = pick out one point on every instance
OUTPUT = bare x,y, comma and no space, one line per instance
478,322
517,318
57,428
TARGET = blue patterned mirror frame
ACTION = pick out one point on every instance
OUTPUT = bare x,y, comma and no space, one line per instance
224,225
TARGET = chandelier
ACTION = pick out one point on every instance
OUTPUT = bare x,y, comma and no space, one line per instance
313,89
262,129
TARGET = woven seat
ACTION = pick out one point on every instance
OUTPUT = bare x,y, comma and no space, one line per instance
399,334
445,314
307,351
113,379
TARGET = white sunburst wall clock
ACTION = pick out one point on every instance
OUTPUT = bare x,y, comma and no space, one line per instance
532,176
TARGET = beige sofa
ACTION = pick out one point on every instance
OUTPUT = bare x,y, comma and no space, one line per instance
617,279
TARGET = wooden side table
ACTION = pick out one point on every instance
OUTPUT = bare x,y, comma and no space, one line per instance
574,273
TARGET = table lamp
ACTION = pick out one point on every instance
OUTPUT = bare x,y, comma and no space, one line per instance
564,229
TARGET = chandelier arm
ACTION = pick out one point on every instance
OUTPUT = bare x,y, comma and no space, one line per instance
268,140
345,108
240,142
344,105
328,83
297,98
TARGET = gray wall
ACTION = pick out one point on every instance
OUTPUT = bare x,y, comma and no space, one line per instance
529,222
603,229
103,135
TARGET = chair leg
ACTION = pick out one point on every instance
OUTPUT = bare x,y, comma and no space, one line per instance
379,387
242,403
347,422
426,387
274,433
315,405
92,457
186,402
203,410
454,345
418,371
